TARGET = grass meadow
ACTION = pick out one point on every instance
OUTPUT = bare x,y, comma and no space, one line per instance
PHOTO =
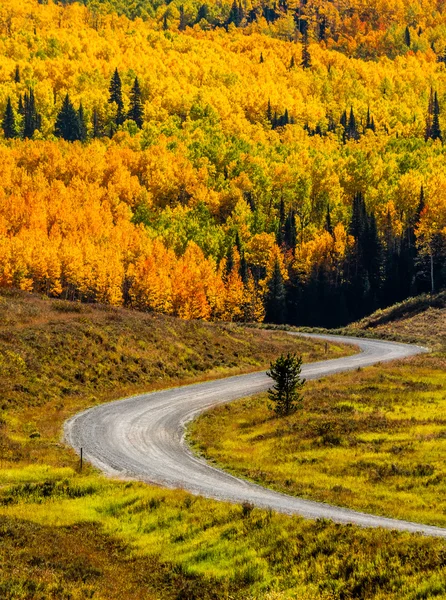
373,440
71,535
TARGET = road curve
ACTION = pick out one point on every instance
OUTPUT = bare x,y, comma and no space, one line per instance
142,438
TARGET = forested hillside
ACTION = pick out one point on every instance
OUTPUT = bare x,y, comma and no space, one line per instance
224,161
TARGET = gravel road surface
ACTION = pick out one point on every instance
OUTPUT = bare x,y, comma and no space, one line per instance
142,438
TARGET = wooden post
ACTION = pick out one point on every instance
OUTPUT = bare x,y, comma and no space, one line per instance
81,460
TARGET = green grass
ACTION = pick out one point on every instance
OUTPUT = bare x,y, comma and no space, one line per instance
82,536
66,534
373,440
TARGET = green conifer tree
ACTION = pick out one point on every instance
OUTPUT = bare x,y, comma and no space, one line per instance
285,396
306,57
67,124
436,130
98,130
82,123
407,39
352,131
183,23
275,302
31,119
115,90
328,225
136,111
9,122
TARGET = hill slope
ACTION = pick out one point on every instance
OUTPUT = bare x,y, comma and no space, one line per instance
418,319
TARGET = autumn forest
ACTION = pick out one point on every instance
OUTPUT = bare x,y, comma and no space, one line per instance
244,161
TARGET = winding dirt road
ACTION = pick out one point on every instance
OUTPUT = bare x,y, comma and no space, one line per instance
142,438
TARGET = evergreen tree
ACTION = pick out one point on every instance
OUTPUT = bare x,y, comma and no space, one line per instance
369,123
235,14
292,63
430,112
183,23
421,205
331,124
243,271
436,130
82,123
407,39
17,77
322,29
285,394
352,131
364,261
97,131
328,226
21,108
9,122
31,119
67,123
281,223
229,260
269,114
306,57
343,120
275,304
261,57
136,111
202,13
115,90
290,233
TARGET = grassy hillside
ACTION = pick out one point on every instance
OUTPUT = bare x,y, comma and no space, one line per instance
57,358
418,319
373,439
66,534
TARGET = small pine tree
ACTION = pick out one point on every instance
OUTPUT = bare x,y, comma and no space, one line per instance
275,304
368,124
82,123
234,14
9,122
136,111
290,234
31,118
407,39
292,63
115,90
328,225
229,260
17,77
269,112
261,57
183,23
436,130
21,108
352,131
67,122
430,112
306,57
97,130
285,396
